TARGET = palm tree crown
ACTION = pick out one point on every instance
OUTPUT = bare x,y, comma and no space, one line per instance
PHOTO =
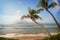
32,14
45,5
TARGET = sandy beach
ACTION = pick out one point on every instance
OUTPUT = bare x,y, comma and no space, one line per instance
27,36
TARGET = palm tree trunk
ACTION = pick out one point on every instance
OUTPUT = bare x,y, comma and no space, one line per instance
42,27
54,19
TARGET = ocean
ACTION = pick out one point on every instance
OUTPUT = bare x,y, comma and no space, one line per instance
31,29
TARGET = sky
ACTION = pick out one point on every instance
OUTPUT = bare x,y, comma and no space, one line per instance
12,10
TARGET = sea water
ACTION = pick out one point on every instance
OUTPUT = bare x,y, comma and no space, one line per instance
28,29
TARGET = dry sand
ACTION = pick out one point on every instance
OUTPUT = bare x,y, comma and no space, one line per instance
31,38
27,36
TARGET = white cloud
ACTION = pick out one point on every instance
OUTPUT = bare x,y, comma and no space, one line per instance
18,11
45,20
28,20
11,17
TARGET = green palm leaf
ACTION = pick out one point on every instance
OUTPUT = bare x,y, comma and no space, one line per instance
43,3
52,5
36,17
39,10
32,12
29,9
24,16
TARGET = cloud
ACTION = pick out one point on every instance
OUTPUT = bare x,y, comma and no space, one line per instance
45,20
11,17
18,11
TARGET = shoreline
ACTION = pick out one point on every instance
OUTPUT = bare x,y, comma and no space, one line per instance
25,35
17,36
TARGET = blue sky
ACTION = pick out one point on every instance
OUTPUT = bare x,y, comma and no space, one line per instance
12,10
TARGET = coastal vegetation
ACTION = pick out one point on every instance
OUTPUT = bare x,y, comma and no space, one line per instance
3,38
53,37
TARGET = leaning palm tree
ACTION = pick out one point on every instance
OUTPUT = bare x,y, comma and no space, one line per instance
44,4
33,16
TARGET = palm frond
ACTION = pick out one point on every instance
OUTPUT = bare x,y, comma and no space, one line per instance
34,12
39,4
36,17
24,16
29,9
39,10
52,5
43,3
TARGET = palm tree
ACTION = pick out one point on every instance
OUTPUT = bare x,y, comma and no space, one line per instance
33,16
44,4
